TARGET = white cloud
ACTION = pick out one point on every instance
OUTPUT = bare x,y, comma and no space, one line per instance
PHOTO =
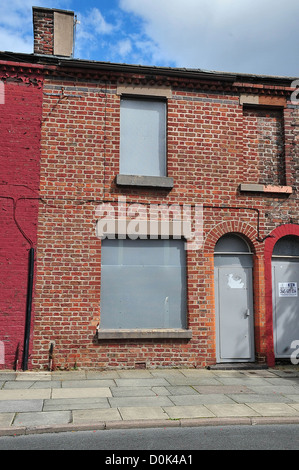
15,18
10,41
96,21
16,30
254,36
124,47
91,33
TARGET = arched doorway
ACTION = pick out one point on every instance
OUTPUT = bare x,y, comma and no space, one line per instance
285,285
233,300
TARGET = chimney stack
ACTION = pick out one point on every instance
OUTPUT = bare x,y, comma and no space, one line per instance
53,31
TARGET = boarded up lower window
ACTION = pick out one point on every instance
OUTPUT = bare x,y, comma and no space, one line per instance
143,284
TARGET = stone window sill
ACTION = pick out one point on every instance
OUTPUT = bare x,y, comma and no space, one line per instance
262,188
163,333
162,182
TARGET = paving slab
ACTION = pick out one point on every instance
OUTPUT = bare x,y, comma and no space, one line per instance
180,400
256,398
227,373
139,401
24,384
232,410
134,391
183,380
245,380
101,374
167,373
292,398
283,381
80,392
50,384
161,391
21,405
295,405
268,389
92,415
259,373
42,419
274,409
286,373
24,394
75,404
140,413
7,375
136,374
179,412
197,373
6,419
182,390
149,382
88,383
68,375
225,389
33,376
14,385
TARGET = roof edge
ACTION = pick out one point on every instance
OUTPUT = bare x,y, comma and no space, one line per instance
187,73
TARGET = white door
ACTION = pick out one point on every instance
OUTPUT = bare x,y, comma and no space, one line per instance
234,304
285,295
285,279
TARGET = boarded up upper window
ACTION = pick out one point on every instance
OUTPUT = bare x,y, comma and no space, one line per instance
143,137
263,140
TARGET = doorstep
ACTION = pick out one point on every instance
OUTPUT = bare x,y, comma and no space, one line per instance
238,366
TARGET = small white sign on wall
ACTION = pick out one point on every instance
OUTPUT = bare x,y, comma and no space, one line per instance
287,289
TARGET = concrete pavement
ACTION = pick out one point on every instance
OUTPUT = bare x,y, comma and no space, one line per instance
37,402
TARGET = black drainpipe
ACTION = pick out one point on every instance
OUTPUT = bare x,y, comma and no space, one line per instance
28,309
30,282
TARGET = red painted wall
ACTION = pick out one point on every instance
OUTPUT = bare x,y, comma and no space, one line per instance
20,127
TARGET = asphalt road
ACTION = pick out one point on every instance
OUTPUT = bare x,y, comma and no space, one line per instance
144,443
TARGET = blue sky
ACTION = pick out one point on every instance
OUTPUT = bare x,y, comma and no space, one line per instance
245,36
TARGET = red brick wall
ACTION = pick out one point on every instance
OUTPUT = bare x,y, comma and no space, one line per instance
68,266
43,25
208,159
20,119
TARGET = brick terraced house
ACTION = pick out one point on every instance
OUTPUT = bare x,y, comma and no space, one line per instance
161,207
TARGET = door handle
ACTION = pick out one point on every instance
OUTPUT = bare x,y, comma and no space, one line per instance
247,313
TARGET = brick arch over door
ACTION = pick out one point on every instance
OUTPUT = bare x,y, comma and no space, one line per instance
279,232
246,231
